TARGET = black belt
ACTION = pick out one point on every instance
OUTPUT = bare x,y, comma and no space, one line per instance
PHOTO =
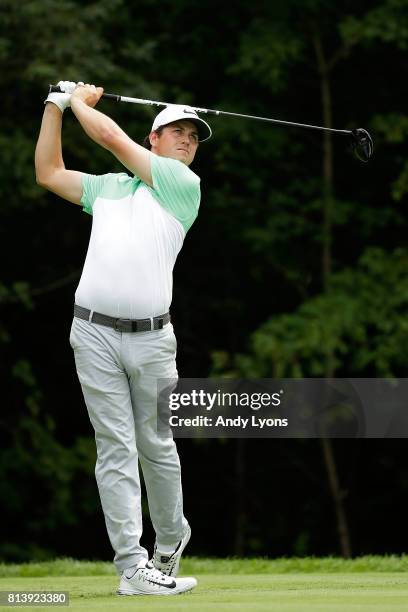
122,325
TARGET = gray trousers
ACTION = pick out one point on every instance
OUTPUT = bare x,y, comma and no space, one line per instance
118,373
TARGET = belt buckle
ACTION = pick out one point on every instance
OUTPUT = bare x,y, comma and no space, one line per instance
117,325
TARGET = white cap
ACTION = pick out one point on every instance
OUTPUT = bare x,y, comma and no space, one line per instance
177,112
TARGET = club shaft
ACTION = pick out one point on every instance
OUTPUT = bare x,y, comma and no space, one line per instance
209,111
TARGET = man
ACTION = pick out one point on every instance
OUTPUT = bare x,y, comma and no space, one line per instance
121,335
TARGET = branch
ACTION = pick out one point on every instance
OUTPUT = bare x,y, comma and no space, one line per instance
57,284
342,52
325,67
62,282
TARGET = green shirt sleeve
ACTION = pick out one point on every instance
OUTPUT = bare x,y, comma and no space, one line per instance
176,188
111,185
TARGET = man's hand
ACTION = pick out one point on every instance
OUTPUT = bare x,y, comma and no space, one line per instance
89,94
62,100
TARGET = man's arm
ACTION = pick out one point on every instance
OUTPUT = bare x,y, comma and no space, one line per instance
49,165
105,132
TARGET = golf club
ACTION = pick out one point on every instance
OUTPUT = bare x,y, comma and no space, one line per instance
359,139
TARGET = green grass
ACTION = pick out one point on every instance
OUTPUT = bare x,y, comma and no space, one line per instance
233,585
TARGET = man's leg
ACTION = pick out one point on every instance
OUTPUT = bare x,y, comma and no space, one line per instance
106,392
151,356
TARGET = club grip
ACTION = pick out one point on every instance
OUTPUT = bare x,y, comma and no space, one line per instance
107,96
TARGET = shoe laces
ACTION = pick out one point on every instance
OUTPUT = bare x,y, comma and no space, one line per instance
150,573
157,555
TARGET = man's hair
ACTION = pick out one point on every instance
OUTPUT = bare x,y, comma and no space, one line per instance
146,142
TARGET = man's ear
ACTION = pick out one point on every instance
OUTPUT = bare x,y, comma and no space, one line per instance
153,138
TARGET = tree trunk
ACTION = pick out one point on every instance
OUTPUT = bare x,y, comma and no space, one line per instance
338,496
240,497
327,171
327,197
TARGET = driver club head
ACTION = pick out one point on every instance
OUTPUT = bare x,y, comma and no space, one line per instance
362,144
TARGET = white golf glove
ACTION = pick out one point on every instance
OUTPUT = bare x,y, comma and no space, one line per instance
62,100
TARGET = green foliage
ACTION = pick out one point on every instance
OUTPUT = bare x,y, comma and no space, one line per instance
53,37
228,566
18,293
268,51
21,289
35,465
361,321
392,129
400,185
387,22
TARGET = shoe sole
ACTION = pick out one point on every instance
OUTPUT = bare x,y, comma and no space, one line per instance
165,593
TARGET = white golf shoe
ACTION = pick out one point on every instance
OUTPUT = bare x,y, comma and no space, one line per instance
145,579
169,564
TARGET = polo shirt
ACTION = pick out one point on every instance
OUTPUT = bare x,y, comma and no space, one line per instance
137,233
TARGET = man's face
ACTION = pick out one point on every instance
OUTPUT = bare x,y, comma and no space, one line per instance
178,140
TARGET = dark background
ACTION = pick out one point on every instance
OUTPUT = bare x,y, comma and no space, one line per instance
296,265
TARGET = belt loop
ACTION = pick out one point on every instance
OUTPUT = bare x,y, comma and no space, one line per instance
151,324
90,316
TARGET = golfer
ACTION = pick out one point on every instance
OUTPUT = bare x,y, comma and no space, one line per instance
121,334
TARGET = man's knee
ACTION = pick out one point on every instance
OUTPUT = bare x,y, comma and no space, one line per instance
155,448
114,447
